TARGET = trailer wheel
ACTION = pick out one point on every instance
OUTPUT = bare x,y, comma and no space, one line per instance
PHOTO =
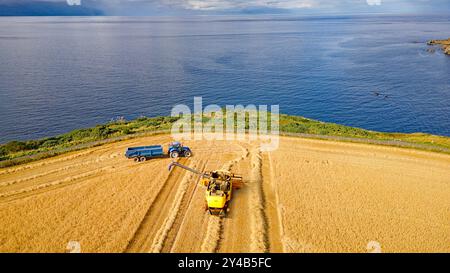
187,154
143,159
174,155
136,159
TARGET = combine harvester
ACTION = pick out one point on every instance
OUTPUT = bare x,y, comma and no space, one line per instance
219,187
140,154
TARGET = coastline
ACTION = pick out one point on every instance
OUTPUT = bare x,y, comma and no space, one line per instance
20,152
445,45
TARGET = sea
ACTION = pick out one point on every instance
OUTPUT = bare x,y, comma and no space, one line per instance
370,71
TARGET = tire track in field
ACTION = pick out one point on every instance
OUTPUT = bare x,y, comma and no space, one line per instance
181,202
83,164
62,158
45,163
42,188
185,205
211,241
56,184
157,212
272,205
258,219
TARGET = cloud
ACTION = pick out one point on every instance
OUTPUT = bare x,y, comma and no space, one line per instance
242,4
130,7
73,2
217,5
374,2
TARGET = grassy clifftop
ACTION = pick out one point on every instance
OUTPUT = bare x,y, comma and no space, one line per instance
288,124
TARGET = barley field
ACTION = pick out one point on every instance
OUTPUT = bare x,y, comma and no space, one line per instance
307,196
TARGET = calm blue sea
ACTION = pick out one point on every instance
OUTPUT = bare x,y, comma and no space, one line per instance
60,73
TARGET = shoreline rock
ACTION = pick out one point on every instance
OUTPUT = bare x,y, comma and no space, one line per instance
445,44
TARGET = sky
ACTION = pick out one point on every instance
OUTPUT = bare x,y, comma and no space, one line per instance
186,7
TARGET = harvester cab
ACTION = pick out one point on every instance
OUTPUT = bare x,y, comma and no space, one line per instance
219,187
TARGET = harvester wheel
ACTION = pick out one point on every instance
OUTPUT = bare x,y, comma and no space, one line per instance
174,155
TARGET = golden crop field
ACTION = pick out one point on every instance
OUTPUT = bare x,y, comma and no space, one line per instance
308,196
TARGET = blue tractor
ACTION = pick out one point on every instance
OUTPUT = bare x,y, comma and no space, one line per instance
140,154
176,149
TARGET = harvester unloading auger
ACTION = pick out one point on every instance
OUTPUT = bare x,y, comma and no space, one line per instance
219,187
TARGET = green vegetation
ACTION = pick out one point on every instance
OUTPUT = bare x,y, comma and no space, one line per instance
295,124
15,149
288,124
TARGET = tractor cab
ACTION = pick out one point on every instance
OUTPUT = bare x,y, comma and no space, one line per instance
176,149
175,145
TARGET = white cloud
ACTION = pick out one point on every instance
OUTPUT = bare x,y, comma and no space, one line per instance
73,2
241,4
279,4
374,2
223,5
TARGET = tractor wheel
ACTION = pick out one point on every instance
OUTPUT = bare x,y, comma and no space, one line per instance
174,154
187,154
